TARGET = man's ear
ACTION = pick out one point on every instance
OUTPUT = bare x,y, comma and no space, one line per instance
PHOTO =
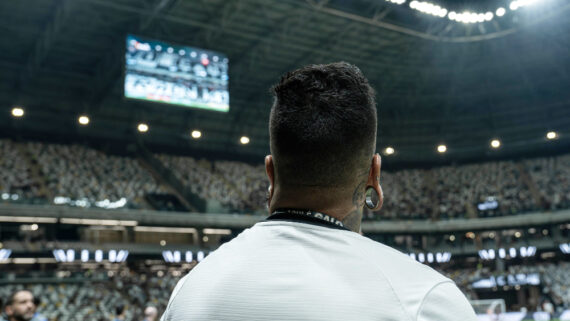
270,170
374,180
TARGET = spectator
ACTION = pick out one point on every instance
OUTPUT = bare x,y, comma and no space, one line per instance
20,306
150,313
120,313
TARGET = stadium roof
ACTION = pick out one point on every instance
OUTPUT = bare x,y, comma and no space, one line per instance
438,80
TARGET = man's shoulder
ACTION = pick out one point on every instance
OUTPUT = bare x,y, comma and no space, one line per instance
397,264
423,291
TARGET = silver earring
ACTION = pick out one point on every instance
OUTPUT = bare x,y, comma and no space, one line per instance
368,201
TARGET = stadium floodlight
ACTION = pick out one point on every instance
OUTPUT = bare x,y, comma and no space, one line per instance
428,8
397,1
142,128
389,151
495,143
500,12
470,17
521,3
244,140
551,135
442,148
196,134
83,120
17,112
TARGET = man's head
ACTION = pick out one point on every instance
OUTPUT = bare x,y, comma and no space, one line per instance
120,310
322,129
20,306
150,313
322,126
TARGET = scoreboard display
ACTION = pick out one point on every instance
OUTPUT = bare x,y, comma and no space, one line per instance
174,74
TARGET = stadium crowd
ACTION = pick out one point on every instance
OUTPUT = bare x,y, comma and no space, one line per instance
489,189
552,177
95,295
460,189
81,173
554,279
15,174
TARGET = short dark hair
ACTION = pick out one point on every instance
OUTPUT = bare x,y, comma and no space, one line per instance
12,296
322,125
119,309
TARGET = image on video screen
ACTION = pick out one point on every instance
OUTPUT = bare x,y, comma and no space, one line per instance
179,75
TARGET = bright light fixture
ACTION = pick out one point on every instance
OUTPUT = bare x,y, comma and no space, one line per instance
442,148
17,112
500,12
470,17
142,127
521,3
397,1
244,140
551,135
495,143
428,8
196,134
83,120
389,151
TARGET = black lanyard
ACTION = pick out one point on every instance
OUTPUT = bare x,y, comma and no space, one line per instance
307,216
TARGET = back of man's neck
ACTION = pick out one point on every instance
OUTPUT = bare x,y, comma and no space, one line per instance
334,207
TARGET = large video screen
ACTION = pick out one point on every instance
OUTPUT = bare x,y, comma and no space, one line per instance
179,75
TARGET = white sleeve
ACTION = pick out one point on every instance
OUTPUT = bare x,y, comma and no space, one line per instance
174,293
444,302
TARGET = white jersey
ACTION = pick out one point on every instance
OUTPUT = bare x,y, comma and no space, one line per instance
285,270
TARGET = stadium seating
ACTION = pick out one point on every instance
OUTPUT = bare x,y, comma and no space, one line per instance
78,172
552,177
67,297
94,296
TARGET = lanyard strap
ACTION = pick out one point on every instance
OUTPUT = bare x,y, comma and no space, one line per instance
306,216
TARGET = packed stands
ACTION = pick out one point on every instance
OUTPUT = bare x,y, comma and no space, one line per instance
81,173
67,296
94,296
76,172
200,177
406,195
554,279
460,189
552,177
15,174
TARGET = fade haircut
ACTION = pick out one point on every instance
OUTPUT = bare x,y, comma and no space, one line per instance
322,126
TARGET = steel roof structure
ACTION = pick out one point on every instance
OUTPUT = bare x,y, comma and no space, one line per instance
437,80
